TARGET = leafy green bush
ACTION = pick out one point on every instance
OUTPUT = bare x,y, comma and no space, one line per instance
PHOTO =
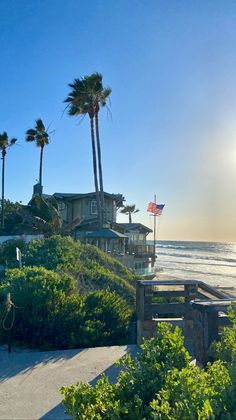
51,313
137,384
225,349
54,253
12,217
8,252
109,316
192,393
39,295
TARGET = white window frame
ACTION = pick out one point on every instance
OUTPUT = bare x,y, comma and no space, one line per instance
93,207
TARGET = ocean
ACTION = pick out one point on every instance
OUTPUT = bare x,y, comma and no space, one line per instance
211,262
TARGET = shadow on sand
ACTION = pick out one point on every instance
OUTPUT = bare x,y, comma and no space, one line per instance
22,361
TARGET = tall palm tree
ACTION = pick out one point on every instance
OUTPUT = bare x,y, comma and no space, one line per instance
80,103
86,97
5,143
129,210
100,95
40,135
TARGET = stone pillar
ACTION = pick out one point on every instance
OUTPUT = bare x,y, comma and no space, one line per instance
199,337
205,332
190,291
139,311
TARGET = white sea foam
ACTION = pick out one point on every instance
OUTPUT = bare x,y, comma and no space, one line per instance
214,263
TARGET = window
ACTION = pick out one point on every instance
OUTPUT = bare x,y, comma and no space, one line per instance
93,207
61,206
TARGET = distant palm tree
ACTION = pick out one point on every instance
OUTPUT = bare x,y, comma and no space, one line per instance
40,135
5,143
129,210
86,97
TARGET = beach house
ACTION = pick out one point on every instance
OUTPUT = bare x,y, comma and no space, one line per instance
126,242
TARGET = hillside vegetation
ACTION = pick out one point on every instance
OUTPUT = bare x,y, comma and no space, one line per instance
66,295
92,268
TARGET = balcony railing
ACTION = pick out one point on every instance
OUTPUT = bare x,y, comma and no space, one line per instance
146,272
141,249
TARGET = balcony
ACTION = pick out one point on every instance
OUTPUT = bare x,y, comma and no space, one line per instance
141,250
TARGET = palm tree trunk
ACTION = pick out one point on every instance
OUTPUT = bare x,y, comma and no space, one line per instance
130,218
41,166
3,184
103,211
95,171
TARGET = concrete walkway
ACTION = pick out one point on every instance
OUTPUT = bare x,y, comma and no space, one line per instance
30,380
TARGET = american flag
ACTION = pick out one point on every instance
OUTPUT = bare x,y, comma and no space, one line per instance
155,208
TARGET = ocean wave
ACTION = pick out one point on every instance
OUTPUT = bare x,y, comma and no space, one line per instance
199,246
214,263
195,263
198,257
172,246
204,273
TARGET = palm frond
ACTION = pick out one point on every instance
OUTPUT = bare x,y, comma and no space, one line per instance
29,138
12,141
5,142
130,208
86,95
31,132
38,134
39,125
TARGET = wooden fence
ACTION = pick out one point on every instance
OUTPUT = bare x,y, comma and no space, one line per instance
196,307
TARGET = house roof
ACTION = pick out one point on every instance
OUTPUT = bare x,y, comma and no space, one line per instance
133,226
75,196
105,233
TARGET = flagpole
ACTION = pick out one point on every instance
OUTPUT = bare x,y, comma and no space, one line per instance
154,230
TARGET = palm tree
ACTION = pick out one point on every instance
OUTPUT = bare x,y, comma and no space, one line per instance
5,143
86,97
129,210
40,135
80,103
100,100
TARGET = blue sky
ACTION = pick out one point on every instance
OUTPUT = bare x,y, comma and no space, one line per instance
172,69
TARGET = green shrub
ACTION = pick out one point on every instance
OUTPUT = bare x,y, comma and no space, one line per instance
92,268
51,313
225,349
192,393
39,296
83,402
109,318
137,384
96,277
52,253
8,252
